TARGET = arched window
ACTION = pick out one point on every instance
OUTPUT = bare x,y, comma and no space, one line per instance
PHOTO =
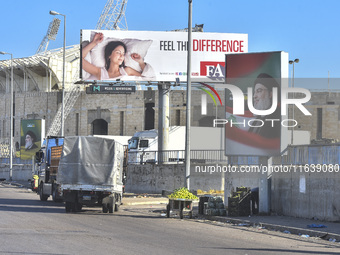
99,127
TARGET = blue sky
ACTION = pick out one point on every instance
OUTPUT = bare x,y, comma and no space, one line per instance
306,29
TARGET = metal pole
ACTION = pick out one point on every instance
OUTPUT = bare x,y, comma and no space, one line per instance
11,117
63,88
188,105
292,138
160,123
293,78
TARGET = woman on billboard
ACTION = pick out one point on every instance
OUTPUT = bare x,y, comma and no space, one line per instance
114,54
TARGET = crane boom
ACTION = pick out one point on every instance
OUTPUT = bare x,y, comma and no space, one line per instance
113,16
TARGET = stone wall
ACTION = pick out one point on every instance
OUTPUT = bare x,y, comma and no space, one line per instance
125,114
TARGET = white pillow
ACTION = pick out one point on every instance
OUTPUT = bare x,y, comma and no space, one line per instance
86,75
135,46
132,46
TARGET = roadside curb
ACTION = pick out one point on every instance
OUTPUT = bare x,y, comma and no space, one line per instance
274,227
14,183
144,203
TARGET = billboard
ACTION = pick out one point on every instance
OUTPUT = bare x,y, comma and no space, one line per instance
109,55
32,133
253,103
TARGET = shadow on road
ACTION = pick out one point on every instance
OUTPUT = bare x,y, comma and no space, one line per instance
277,251
29,205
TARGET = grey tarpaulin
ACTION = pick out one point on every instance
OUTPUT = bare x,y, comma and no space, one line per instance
89,160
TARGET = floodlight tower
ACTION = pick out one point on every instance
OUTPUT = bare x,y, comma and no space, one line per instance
113,16
51,34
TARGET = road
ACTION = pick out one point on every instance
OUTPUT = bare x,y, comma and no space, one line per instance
29,226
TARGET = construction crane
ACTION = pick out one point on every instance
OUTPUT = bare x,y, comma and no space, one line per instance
113,16
196,28
51,34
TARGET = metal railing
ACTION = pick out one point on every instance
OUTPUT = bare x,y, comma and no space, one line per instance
310,154
175,156
296,155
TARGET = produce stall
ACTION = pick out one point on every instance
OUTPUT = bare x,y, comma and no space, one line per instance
181,200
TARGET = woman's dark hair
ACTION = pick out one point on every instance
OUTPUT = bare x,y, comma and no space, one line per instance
108,51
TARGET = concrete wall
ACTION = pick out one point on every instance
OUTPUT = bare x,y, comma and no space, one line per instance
306,195
155,178
21,172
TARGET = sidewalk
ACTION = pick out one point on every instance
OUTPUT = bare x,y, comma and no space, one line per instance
290,225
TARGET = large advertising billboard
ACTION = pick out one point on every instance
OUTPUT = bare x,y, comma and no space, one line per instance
32,135
253,103
156,56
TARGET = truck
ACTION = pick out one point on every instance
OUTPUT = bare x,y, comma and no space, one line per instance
143,146
91,173
47,159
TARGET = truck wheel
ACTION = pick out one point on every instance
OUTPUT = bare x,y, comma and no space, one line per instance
54,195
68,207
116,207
110,208
105,209
41,194
75,207
79,207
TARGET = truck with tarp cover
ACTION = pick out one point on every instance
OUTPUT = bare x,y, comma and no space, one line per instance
91,173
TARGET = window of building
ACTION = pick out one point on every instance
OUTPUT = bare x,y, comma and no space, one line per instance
99,127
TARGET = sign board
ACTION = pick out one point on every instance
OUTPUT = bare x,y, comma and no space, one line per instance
254,121
32,135
156,56
108,89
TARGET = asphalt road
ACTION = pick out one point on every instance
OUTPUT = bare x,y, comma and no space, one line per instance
29,226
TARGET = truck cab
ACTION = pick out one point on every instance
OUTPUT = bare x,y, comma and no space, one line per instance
142,147
47,159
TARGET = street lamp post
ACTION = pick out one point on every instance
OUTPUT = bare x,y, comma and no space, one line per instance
63,86
292,62
11,120
188,105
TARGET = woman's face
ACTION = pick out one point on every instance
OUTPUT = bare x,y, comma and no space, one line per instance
117,56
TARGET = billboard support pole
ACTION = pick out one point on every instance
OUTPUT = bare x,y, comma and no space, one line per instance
263,188
188,104
163,120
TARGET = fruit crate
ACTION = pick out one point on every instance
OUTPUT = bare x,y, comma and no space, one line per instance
181,205
239,204
246,189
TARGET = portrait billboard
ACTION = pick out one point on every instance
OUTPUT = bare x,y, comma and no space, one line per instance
32,133
109,55
254,84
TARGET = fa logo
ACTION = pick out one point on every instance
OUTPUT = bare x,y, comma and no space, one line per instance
213,70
